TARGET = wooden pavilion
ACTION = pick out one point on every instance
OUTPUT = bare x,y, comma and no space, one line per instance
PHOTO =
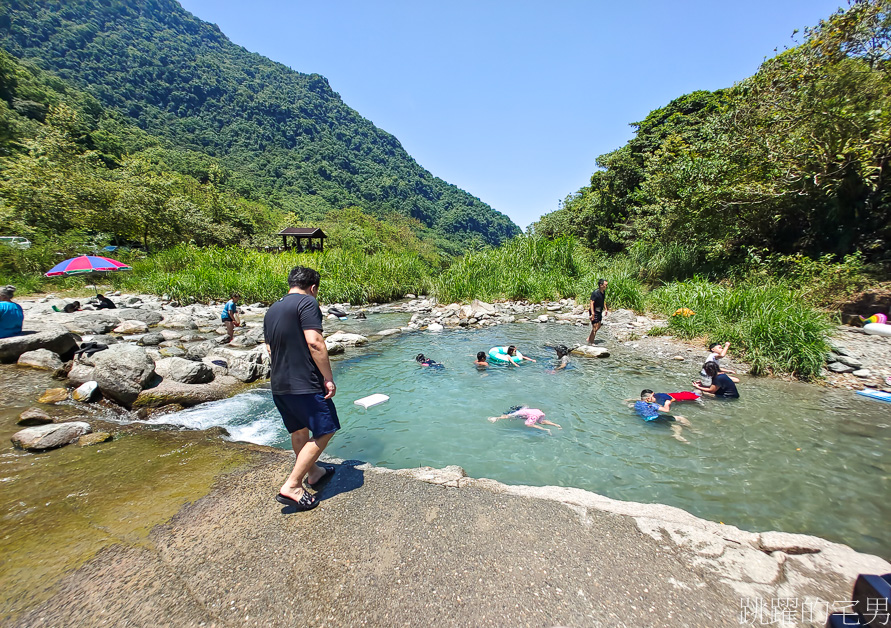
299,234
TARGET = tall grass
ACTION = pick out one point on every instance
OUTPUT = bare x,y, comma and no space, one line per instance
213,273
773,329
536,269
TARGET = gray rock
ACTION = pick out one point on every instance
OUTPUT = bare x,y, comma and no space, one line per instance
179,322
131,327
862,373
838,367
151,340
590,351
200,350
100,322
839,349
56,339
247,371
435,327
350,340
121,371
334,348
172,352
86,391
219,366
849,361
104,339
620,317
170,392
542,319
33,416
43,359
482,306
184,371
831,357
388,332
49,436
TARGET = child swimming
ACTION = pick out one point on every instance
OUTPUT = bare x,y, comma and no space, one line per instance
648,408
481,361
425,361
562,357
532,417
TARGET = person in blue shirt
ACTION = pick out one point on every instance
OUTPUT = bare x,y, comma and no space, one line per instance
11,314
648,408
230,315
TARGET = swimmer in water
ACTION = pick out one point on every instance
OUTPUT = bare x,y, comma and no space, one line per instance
532,417
512,352
425,361
481,361
648,408
562,357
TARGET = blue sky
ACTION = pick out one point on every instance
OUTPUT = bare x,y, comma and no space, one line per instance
513,100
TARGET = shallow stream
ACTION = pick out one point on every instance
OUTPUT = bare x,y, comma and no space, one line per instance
786,456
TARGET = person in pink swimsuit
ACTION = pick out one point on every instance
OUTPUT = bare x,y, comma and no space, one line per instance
531,416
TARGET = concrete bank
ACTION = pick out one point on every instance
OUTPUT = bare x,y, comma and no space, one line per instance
426,547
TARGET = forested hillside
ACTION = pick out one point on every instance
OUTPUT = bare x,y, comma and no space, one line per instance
794,159
281,137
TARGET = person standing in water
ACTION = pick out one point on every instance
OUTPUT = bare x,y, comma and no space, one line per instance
597,308
230,315
302,383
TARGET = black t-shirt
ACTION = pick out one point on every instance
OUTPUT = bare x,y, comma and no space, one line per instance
597,296
294,372
726,387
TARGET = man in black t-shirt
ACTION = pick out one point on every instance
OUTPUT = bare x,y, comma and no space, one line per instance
597,308
302,383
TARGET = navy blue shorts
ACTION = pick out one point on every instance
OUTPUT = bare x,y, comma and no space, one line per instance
311,411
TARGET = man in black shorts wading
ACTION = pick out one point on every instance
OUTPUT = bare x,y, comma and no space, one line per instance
597,308
302,383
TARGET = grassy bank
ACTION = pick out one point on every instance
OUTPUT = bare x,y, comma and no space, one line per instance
771,318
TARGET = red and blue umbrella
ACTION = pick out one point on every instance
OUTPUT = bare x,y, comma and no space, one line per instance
85,264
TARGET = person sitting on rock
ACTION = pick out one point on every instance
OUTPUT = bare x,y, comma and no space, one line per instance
649,408
532,417
72,307
11,314
104,303
481,361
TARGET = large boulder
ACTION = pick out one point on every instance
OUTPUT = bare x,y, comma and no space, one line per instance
350,340
56,339
334,348
100,322
620,317
149,317
50,436
42,359
179,321
184,371
170,392
85,392
121,371
590,351
481,307
246,371
200,350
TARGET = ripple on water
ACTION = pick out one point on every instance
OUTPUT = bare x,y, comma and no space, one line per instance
785,456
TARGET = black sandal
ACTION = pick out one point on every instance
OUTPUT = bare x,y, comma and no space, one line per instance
306,501
329,471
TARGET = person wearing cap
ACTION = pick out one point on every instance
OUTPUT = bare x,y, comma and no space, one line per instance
11,314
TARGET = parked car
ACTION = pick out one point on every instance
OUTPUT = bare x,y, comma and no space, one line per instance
17,242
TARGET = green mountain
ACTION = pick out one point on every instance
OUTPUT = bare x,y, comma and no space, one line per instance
284,138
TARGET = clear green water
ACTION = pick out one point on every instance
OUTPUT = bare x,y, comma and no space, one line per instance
785,456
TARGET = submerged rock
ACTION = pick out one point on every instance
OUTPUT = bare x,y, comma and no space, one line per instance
33,416
50,436
42,359
53,395
94,439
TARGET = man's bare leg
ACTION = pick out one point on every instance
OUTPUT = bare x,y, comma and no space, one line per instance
593,333
307,451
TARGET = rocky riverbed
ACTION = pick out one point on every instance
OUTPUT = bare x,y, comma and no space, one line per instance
589,561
